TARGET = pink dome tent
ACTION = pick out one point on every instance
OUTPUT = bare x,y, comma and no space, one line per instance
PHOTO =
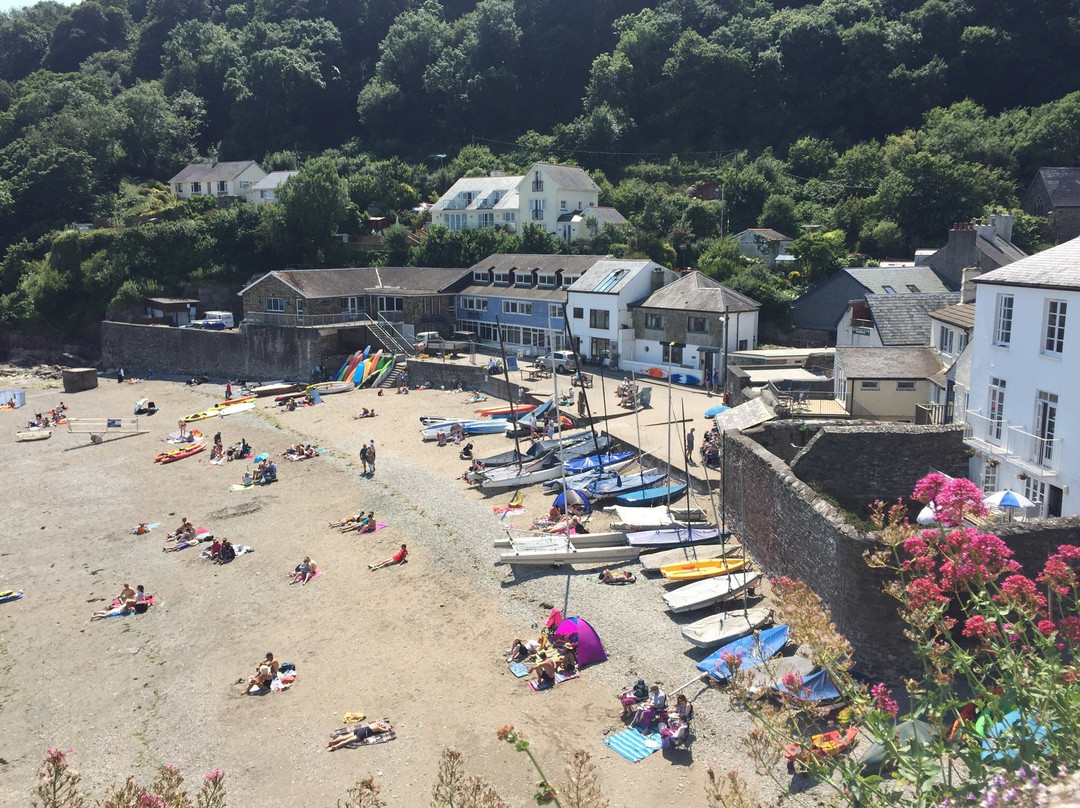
589,647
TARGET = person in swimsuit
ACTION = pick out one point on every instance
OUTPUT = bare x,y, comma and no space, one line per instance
400,557
265,672
304,571
359,733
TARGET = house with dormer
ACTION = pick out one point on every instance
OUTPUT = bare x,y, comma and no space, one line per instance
216,178
563,200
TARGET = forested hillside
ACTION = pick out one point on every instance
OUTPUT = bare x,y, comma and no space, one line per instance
868,126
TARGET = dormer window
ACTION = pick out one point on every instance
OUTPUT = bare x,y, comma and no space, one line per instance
480,276
551,280
503,278
523,278
568,280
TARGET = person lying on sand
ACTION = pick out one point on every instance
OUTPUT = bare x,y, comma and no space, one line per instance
359,733
348,520
365,413
400,557
186,530
522,649
123,607
360,523
304,571
624,577
265,671
182,544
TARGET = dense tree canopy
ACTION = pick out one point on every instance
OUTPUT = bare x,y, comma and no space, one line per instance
875,123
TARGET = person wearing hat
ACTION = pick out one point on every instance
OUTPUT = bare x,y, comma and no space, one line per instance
265,671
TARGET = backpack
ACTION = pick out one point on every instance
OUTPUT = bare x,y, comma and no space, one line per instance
641,690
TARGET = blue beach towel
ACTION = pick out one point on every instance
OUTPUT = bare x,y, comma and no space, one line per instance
519,669
633,745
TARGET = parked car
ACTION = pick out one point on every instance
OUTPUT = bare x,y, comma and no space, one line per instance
432,342
563,361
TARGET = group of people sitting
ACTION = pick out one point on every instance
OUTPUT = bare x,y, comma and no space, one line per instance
238,450
365,413
300,452
548,658
129,600
456,434
52,417
361,523
710,448
648,707
221,551
627,393
182,538
217,451
558,522
264,474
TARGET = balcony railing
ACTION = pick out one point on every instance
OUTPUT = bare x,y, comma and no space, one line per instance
1003,440
287,319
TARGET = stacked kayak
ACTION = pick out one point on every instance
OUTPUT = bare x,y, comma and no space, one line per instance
173,455
227,408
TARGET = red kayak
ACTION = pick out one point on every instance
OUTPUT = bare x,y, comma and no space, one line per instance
233,400
519,409
180,454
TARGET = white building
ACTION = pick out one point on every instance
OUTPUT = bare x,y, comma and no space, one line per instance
216,179
562,199
598,305
1025,370
265,190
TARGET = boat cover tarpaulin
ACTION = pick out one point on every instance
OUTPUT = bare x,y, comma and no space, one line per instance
644,517
751,650
818,686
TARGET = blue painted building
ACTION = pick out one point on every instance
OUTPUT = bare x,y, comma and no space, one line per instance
527,293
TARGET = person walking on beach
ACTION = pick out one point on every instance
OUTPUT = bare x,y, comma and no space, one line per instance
690,444
371,455
364,459
521,395
228,390
120,376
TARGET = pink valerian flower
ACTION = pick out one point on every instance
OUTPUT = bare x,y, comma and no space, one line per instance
1059,572
1021,592
214,777
794,690
977,627
729,661
956,499
1046,627
923,593
926,489
148,800
883,700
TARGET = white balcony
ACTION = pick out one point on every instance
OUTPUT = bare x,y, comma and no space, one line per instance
1002,440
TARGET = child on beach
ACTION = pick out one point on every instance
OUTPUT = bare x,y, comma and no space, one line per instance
400,557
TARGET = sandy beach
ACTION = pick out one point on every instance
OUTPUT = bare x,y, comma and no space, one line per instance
420,644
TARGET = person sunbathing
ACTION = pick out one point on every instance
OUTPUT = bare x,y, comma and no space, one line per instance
523,649
400,557
304,571
369,526
544,670
265,671
186,530
348,520
127,593
624,577
291,405
123,607
359,733
567,663
360,521
182,544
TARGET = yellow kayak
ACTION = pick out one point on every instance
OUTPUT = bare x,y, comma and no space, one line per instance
693,570
230,408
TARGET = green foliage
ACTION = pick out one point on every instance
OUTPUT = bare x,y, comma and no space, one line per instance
819,255
315,202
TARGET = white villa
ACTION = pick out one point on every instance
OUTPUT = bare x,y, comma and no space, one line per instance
562,199
217,179
1025,371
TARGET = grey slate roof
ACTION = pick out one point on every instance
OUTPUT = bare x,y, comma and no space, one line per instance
888,363
769,234
961,315
603,269
875,279
1063,185
1056,268
405,281
905,319
604,215
1000,251
209,172
548,264
568,178
697,292
272,180
490,290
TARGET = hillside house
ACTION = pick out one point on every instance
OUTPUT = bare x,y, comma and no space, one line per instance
216,179
265,190
763,243
891,321
974,248
1055,192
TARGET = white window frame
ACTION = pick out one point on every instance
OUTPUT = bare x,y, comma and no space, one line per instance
1054,327
480,276
1003,318
995,408
990,476
352,304
905,387
556,311
502,277
547,280
389,303
196,187
869,386
694,321
596,315
275,304
945,340
456,222
473,303
520,307
223,186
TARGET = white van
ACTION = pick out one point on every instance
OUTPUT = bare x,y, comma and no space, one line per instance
225,317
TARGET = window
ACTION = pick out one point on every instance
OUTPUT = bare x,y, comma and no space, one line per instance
1055,327
905,387
523,278
502,277
672,353
511,333
473,303
990,476
962,342
1046,407
517,307
568,280
480,276
537,206
547,280
275,304
600,347
869,385
245,184
388,303
196,187
599,318
945,340
654,321
1035,490
179,188
912,288
996,407
889,290
223,186
352,304
579,313
556,310
509,217
1003,320
562,205
697,325
537,183
485,220
299,305
456,221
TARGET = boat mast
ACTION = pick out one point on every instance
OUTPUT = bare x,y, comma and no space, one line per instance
509,392
588,409
670,415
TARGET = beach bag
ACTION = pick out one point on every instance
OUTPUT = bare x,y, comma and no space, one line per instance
641,690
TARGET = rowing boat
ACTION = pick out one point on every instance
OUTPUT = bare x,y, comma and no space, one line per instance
703,594
567,553
717,629
274,389
696,570
34,434
329,388
179,454
537,541
674,536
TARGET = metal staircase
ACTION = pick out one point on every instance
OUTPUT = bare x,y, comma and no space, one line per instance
391,338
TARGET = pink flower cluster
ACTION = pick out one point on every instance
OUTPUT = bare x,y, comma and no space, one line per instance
883,699
952,498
